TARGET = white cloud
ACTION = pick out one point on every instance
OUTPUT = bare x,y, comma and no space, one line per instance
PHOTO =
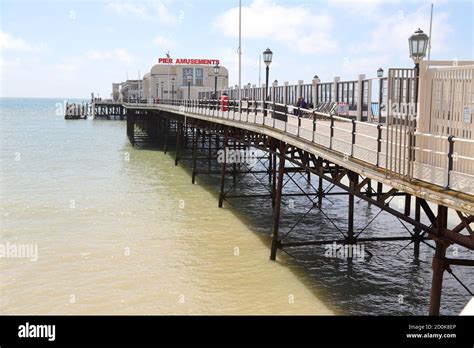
120,55
387,44
295,26
128,8
162,41
10,42
151,9
390,36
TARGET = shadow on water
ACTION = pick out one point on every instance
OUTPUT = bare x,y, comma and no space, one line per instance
391,281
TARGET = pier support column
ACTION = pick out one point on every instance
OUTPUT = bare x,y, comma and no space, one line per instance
270,166
234,163
274,178
407,205
178,141
439,263
320,182
439,266
195,145
209,154
224,165
276,213
379,190
165,145
353,180
131,126
416,230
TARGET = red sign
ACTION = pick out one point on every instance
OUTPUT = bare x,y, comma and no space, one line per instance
188,61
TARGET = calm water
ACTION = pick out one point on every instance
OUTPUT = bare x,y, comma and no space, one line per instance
122,230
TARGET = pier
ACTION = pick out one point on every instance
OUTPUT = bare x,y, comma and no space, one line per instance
108,110
346,155
96,109
75,111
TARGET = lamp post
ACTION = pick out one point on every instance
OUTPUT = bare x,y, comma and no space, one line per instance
216,74
380,73
267,59
162,86
190,79
274,96
172,88
380,76
417,43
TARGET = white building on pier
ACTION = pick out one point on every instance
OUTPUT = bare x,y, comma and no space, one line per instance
174,79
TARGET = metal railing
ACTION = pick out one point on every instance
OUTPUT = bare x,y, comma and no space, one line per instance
364,141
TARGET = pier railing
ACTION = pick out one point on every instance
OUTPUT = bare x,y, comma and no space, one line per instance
443,161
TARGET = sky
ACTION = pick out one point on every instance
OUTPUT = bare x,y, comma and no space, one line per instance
68,49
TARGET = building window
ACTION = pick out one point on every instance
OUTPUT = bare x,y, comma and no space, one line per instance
187,72
199,78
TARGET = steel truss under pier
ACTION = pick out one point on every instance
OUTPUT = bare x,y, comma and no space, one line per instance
198,139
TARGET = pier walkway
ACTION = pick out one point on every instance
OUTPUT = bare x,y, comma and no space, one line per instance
430,176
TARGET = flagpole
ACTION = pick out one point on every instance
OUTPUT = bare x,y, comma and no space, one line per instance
260,71
431,24
240,45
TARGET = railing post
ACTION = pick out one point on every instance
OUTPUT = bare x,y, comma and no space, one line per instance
233,109
331,134
314,125
353,137
248,110
299,125
450,159
240,109
379,143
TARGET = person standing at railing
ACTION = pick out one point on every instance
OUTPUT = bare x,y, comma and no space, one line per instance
224,101
300,104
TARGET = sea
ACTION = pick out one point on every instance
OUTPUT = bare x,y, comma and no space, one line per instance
91,225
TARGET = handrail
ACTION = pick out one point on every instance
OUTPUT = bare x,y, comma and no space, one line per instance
259,112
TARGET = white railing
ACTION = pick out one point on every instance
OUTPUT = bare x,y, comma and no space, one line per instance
440,160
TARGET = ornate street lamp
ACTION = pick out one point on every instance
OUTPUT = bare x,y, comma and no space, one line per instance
380,73
417,43
380,76
190,79
172,88
267,59
216,74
